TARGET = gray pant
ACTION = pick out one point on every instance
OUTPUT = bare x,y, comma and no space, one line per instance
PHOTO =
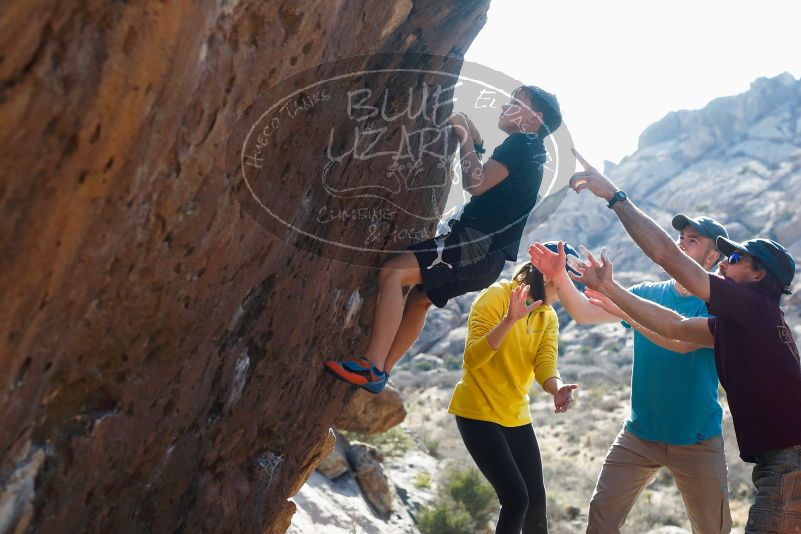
777,505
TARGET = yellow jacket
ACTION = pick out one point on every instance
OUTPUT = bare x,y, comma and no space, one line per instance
495,383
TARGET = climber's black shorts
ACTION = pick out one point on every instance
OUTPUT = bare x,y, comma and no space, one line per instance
456,263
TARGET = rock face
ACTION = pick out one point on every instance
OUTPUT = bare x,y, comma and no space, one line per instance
336,463
339,507
158,355
372,414
366,463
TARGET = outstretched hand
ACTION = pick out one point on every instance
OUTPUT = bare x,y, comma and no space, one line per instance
602,301
517,303
563,398
590,178
547,262
594,273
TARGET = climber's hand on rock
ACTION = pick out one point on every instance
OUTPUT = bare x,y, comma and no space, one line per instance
473,129
460,126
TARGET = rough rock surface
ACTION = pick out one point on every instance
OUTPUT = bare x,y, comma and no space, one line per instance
372,414
154,377
336,463
339,507
365,460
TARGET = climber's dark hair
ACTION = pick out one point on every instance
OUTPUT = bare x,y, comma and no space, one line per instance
528,274
547,104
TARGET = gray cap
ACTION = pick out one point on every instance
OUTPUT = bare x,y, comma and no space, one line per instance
706,226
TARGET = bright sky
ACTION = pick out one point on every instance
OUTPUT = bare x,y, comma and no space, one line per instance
618,66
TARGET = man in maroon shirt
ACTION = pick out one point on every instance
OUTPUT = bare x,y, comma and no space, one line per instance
756,356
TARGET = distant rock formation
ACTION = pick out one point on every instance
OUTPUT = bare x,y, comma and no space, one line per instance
161,352
738,160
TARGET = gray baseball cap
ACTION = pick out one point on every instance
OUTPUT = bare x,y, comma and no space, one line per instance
706,226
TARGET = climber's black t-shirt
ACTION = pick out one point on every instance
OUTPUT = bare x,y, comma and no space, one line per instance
501,211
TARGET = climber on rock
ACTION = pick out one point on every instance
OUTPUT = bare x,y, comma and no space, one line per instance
512,338
472,254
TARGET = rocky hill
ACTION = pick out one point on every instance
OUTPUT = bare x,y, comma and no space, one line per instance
737,160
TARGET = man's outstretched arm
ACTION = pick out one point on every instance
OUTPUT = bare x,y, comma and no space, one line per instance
652,239
682,347
667,323
661,320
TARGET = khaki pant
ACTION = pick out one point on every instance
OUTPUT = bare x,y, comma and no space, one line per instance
631,464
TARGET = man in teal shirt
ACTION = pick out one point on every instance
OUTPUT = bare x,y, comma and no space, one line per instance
674,397
675,417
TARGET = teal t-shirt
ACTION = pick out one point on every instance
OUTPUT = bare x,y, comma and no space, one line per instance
674,397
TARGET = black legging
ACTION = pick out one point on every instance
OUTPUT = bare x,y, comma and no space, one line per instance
509,458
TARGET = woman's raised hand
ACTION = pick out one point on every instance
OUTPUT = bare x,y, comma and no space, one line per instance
517,303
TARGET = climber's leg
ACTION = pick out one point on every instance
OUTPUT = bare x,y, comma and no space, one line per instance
414,318
368,372
400,271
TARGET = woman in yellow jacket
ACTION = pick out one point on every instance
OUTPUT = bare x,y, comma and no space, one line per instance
511,341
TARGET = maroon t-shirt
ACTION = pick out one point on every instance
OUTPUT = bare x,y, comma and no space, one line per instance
758,366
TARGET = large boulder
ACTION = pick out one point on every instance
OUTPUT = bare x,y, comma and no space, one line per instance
336,463
161,351
365,460
372,414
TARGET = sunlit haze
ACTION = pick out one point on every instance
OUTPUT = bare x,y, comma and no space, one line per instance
617,67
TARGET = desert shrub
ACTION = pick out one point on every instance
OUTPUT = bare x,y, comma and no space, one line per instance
444,517
466,502
394,442
432,444
422,366
422,480
453,362
467,486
